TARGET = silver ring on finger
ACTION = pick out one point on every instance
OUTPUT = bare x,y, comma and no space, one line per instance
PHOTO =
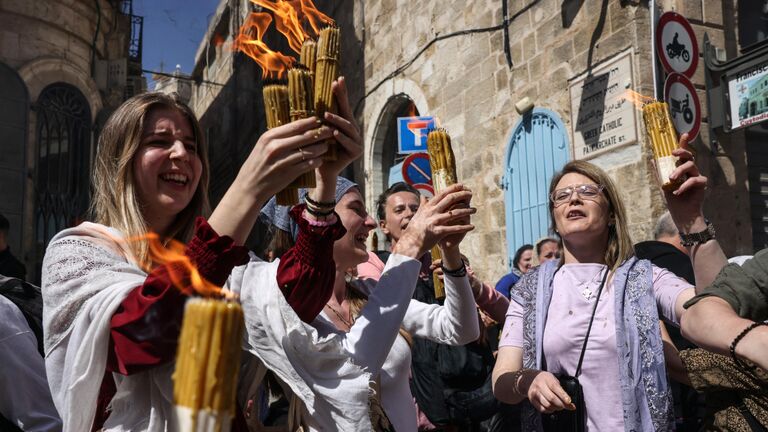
301,152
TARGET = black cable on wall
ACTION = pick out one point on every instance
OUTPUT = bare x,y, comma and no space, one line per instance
503,26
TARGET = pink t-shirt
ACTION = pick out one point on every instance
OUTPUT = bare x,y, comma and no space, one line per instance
575,289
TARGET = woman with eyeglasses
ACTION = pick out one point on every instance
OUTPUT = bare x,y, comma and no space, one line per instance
622,373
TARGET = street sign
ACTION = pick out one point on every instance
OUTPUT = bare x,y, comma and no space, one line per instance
412,133
747,96
684,106
676,44
416,169
425,189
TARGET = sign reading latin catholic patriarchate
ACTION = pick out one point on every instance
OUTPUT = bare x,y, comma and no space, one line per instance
601,118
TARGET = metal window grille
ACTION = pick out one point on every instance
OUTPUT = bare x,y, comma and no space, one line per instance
63,149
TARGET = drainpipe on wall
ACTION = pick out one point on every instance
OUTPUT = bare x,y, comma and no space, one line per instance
654,63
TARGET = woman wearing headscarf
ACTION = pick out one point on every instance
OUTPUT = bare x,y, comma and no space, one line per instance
374,321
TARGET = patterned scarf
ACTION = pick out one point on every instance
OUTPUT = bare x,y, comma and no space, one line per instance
646,399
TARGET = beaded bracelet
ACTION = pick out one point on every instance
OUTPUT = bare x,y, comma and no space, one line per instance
320,204
457,273
738,339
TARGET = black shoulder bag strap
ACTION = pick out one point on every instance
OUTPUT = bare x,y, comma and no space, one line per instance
591,320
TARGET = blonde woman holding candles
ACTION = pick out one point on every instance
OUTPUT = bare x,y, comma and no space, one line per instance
111,313
623,373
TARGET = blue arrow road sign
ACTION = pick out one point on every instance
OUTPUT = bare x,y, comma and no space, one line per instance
412,133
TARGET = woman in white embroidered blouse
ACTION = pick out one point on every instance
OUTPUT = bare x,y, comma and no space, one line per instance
151,174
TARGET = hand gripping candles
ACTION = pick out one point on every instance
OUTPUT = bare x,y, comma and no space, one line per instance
661,133
443,165
301,102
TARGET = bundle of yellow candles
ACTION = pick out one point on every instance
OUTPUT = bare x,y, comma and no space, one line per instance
443,165
276,106
207,365
301,104
308,57
661,133
326,72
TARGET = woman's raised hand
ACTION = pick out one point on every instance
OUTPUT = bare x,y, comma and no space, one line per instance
280,155
444,218
346,132
685,203
350,144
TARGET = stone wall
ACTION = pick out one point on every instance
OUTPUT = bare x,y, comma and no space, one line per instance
51,42
466,82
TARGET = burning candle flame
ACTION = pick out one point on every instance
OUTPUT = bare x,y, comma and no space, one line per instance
314,17
181,270
250,41
637,99
290,17
286,21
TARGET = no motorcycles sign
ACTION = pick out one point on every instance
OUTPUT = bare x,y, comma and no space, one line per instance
676,44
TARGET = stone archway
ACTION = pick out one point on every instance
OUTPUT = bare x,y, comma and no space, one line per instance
391,101
41,73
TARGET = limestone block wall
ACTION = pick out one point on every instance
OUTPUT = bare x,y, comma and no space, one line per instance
50,42
466,82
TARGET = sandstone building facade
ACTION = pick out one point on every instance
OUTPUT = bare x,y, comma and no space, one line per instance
469,69
564,64
64,66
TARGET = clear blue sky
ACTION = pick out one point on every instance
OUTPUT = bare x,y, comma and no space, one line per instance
173,30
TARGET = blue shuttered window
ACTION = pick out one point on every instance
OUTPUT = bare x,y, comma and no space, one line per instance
537,149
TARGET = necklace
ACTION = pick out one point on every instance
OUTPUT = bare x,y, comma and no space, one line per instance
341,317
587,292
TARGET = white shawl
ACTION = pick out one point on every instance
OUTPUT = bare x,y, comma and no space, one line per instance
87,272
325,371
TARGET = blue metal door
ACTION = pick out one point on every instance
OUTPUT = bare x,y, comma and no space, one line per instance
537,149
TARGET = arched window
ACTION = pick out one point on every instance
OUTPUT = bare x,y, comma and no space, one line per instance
63,160
537,149
14,105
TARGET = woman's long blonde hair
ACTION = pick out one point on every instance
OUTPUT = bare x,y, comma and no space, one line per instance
620,247
115,202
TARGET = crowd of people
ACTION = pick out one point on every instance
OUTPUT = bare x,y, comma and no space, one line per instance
581,335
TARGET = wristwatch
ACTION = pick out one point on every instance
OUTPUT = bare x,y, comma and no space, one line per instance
700,237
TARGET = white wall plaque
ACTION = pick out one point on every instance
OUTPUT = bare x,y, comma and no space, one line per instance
601,119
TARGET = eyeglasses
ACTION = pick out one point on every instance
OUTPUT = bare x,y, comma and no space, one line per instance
584,191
